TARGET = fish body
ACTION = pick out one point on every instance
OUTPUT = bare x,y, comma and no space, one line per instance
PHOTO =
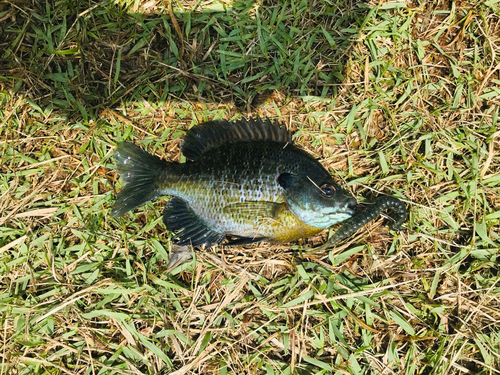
243,180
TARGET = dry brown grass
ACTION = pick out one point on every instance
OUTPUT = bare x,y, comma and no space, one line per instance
410,109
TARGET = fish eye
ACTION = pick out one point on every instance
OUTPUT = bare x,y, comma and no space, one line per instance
328,190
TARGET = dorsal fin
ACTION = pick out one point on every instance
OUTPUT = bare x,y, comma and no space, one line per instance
211,134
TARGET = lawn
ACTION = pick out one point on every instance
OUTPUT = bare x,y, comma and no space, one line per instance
394,98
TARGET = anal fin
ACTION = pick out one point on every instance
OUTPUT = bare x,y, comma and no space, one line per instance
179,216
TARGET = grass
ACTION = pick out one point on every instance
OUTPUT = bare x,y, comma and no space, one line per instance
396,98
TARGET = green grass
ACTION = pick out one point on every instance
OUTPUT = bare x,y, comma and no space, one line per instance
397,98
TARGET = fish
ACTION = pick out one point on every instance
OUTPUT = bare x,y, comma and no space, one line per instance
243,182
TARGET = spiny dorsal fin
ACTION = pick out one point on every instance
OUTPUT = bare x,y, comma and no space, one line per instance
211,134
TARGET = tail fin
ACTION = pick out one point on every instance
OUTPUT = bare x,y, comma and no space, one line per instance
139,171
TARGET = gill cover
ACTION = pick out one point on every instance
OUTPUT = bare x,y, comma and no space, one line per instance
318,203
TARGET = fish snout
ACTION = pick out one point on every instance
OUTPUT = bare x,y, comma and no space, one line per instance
351,205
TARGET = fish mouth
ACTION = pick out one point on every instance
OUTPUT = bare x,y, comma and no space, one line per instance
350,206
350,211
344,210
333,218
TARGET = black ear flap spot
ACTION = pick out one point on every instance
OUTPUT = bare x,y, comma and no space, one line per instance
285,180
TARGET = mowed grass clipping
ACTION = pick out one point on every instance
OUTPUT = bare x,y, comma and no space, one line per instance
396,98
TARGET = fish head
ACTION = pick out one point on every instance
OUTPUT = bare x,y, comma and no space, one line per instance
317,200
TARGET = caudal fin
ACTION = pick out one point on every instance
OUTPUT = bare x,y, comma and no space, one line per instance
139,171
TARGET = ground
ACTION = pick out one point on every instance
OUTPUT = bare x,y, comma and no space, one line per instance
395,98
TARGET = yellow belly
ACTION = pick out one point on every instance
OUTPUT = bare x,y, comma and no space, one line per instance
287,227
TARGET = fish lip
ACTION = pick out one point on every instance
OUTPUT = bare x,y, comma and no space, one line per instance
350,211
351,205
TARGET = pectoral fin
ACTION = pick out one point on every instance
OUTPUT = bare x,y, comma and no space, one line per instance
253,209
259,213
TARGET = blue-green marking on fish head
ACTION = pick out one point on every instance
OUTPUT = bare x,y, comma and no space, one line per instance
318,203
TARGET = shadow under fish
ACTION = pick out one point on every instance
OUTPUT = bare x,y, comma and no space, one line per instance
244,182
